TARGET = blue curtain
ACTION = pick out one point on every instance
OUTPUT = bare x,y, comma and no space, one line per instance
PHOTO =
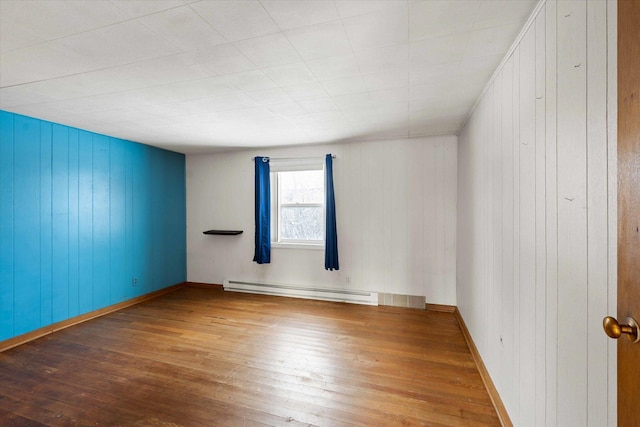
330,229
262,253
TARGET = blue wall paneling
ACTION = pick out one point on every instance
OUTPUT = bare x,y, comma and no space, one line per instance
61,196
26,225
81,216
6,227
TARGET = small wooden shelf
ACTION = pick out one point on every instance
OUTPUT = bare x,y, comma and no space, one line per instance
223,232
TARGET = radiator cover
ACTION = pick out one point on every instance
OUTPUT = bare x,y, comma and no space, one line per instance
324,294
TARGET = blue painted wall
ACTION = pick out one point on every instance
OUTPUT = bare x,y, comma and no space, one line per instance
81,216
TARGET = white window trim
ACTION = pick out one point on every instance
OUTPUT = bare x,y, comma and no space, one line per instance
292,165
287,245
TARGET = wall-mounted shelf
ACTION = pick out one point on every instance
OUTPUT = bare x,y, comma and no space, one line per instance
223,232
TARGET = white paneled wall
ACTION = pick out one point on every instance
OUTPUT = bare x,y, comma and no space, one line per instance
396,212
536,266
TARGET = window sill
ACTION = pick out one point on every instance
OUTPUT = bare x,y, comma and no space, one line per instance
279,245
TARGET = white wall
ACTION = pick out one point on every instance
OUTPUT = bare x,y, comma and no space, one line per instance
536,267
395,206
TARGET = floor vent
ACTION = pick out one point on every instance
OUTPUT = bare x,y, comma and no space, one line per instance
395,300
324,294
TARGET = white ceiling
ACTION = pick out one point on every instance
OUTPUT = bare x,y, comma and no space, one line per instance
196,76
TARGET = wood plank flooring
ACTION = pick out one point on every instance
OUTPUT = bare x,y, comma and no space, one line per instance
205,357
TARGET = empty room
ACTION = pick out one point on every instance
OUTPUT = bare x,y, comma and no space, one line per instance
319,213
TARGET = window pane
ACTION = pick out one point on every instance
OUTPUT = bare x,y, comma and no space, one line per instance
301,223
301,186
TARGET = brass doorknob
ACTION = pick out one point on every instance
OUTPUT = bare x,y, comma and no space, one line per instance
615,330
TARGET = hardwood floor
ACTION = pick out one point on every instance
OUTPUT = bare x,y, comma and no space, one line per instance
204,357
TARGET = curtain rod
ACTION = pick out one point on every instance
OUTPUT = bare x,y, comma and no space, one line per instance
333,156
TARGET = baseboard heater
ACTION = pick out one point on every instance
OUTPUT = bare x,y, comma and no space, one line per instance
324,294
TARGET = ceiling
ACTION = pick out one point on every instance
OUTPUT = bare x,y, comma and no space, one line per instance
197,76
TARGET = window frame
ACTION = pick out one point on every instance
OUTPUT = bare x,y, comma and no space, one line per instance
293,166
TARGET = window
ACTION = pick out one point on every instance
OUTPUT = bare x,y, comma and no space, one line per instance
297,203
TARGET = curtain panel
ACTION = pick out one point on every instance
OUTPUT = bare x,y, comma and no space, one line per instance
262,254
331,232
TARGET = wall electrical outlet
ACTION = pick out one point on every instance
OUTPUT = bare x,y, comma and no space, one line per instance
134,281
